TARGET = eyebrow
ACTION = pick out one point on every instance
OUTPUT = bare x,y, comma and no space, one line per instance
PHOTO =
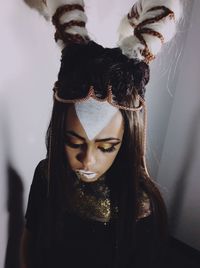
72,133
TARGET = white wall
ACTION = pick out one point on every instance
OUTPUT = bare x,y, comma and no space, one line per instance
162,87
179,167
29,63
29,66
3,197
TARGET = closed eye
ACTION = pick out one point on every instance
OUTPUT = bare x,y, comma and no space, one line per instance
74,145
108,148
105,148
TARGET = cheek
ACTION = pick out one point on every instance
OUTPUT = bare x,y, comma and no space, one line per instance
108,160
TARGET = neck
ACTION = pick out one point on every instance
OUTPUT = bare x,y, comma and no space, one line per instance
89,200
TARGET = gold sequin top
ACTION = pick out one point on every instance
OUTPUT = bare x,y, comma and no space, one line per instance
92,201
144,206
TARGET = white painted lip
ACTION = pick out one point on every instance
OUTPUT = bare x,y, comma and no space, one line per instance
86,174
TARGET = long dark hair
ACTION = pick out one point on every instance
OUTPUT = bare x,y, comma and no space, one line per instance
128,175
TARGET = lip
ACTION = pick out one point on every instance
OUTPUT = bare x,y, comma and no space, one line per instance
86,174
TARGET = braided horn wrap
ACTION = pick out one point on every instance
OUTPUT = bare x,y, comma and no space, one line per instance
69,19
148,25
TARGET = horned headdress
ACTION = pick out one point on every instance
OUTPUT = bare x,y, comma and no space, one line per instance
95,85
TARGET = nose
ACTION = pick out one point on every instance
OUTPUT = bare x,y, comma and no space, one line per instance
87,158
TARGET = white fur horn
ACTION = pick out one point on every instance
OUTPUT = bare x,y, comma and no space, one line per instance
148,25
69,18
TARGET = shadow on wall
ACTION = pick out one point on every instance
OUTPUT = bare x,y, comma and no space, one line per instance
183,177
16,219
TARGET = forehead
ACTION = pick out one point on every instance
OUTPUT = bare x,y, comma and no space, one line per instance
114,128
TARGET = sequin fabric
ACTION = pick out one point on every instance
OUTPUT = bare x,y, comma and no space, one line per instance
92,201
144,206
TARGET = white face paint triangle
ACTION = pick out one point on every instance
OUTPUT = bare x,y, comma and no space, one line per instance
94,116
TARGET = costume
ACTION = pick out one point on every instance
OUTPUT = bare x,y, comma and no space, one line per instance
111,222
85,242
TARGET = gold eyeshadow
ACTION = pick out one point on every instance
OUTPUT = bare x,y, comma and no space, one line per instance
106,146
73,141
103,146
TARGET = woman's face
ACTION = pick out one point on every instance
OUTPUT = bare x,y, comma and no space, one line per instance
90,159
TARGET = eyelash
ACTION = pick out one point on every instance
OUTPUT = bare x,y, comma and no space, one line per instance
109,150
74,146
77,146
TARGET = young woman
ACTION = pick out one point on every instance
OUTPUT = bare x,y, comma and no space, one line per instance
92,202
